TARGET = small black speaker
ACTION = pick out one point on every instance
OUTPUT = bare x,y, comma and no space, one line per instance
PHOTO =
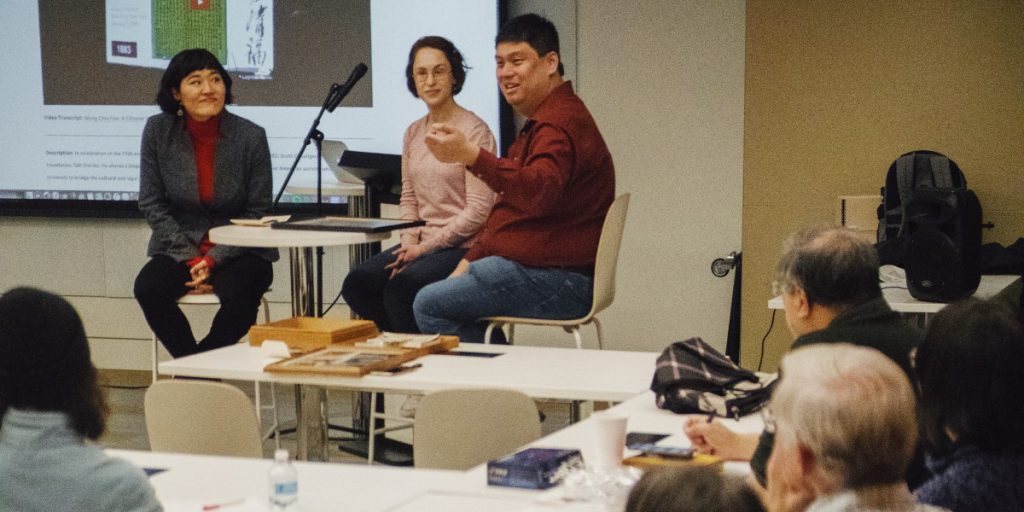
943,244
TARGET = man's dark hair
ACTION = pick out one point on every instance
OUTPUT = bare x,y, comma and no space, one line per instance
183,64
455,62
969,372
45,363
834,266
534,30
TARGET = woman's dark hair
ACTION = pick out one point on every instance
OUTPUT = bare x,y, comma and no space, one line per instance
450,52
969,370
697,489
535,30
45,363
183,64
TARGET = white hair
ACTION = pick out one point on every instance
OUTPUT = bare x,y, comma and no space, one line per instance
853,408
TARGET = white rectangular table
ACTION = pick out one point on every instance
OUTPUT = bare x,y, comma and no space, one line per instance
900,300
188,482
539,372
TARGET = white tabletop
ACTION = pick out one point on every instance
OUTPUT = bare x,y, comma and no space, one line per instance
643,416
190,481
540,372
899,299
248,236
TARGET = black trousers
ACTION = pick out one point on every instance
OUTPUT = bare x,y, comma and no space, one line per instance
388,302
239,284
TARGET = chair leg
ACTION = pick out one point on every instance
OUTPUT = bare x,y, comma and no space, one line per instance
600,333
266,309
156,357
487,333
371,430
576,334
511,334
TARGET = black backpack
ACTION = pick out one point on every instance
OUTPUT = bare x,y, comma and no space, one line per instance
692,377
913,170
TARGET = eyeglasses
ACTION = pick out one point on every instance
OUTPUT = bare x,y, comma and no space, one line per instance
440,74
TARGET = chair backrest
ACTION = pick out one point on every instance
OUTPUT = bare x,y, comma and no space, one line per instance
201,417
607,260
461,428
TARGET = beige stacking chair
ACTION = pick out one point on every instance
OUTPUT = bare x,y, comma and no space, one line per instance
211,299
201,417
604,282
461,428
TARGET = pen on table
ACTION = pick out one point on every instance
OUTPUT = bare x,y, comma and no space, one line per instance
218,506
711,417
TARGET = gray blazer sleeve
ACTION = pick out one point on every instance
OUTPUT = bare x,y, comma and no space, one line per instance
168,236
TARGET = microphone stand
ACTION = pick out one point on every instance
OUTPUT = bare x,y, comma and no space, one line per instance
313,135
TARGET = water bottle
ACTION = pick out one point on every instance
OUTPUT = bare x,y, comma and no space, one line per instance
284,482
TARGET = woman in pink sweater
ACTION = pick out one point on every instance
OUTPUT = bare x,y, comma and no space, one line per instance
453,202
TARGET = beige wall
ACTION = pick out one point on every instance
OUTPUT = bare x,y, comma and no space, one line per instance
835,91
664,80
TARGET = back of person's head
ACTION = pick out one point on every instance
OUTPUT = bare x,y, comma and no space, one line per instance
183,64
696,489
44,360
970,369
534,30
834,266
852,408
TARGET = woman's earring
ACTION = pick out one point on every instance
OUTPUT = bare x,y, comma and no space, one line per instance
180,111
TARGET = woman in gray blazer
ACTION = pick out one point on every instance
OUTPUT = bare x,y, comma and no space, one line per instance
200,167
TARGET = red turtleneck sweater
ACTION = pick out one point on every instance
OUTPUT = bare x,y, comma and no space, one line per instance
204,135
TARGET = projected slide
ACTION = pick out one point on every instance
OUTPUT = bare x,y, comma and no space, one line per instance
239,32
83,76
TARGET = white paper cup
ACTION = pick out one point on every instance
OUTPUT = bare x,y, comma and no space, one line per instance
609,439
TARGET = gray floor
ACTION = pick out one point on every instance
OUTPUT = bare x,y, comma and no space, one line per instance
126,426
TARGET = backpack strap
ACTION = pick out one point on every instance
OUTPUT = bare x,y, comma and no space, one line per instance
904,183
941,175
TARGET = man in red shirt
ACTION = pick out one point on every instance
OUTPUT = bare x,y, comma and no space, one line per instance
535,255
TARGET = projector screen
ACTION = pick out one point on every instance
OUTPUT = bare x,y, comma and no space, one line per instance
81,79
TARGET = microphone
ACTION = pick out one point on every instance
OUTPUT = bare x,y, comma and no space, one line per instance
343,91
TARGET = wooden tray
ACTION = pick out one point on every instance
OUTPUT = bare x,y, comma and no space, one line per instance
348,360
307,333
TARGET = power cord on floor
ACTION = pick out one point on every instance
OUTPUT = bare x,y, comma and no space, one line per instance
760,361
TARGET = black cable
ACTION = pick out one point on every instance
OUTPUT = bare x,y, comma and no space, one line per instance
895,287
333,302
760,361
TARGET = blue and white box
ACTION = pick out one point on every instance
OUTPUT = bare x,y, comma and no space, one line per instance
533,468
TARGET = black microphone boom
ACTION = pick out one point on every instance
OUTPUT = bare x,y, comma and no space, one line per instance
343,91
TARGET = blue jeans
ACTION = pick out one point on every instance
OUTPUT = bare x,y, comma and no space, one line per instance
388,301
495,286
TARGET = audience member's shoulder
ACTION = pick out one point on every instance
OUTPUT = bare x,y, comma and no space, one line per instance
127,485
978,481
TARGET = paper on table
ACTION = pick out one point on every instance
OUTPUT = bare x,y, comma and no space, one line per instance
391,339
262,221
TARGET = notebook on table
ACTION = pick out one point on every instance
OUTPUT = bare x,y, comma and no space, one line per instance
352,224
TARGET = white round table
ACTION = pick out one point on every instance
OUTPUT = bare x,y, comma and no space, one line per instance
309,400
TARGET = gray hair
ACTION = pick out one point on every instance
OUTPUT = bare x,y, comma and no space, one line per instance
853,408
834,266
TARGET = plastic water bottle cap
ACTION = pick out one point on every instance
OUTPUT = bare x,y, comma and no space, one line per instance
281,455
